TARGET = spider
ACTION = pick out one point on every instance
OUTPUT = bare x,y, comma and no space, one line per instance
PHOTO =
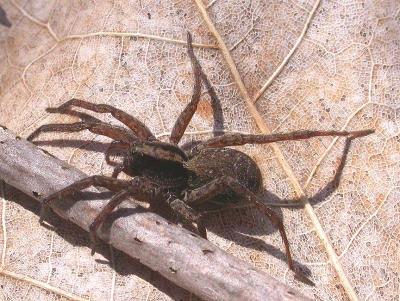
165,173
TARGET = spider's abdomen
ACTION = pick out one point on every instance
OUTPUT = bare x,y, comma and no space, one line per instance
212,163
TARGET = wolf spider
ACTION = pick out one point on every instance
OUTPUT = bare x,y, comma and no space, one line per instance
164,173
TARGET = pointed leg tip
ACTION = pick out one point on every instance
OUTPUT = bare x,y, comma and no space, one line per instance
363,133
189,39
51,110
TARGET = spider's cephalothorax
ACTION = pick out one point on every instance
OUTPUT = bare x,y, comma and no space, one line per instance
162,163
162,172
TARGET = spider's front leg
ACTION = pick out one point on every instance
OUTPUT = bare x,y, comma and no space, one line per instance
121,147
218,186
101,128
140,188
104,213
99,181
138,128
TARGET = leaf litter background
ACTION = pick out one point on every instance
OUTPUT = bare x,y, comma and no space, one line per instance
280,66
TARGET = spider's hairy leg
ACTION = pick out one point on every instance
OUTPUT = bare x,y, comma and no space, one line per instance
104,213
187,114
99,181
218,186
139,187
189,214
112,131
118,169
138,127
241,139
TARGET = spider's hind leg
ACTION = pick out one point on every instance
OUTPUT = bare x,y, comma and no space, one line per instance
218,186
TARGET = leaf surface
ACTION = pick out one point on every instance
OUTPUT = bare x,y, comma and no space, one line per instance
277,66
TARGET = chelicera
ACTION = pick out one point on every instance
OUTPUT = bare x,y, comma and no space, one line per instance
165,173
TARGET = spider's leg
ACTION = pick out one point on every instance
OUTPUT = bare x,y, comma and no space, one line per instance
100,181
139,187
216,187
81,115
115,147
189,214
120,168
104,213
187,114
112,131
138,127
241,139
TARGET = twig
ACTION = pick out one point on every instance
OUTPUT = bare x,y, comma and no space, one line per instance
179,255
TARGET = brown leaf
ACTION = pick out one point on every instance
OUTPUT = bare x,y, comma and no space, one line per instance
279,66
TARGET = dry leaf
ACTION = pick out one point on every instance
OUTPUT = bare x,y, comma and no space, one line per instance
279,66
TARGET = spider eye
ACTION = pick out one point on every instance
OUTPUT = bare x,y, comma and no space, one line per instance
136,148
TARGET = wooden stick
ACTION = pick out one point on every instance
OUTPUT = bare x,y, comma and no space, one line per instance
179,255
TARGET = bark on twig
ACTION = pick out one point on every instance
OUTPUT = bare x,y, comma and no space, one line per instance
180,256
